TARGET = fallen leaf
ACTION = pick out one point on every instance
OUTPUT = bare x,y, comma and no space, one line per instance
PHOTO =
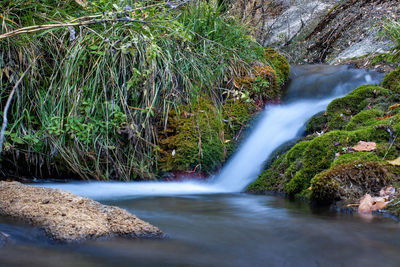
82,3
395,162
363,146
366,203
379,205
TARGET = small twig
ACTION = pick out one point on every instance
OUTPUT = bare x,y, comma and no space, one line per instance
36,28
10,97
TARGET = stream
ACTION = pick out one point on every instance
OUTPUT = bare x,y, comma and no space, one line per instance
213,223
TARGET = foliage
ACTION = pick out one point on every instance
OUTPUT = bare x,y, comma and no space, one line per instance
91,102
392,32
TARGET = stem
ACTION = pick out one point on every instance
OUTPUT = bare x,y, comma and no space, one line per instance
10,97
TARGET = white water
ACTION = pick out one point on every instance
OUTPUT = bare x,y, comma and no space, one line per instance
277,125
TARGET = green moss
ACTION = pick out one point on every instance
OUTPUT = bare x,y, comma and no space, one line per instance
305,160
236,115
355,157
340,111
273,178
201,136
364,118
192,140
392,81
350,181
325,168
280,65
317,123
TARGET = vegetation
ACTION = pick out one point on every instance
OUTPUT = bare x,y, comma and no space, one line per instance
325,167
101,96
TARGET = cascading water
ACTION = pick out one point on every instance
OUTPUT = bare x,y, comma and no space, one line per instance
310,91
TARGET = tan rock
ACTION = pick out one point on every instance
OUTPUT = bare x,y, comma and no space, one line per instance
67,217
364,146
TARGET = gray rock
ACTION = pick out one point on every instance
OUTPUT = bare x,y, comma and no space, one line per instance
300,13
370,44
67,217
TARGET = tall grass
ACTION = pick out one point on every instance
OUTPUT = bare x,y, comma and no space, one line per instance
392,32
95,95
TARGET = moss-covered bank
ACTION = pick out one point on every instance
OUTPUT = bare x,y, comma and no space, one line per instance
327,167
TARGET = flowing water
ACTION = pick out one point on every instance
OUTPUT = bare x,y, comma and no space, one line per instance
212,223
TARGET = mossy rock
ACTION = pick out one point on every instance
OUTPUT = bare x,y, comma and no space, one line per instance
324,167
392,81
317,123
350,181
192,139
202,136
260,84
340,111
356,157
264,82
294,172
364,118
281,170
279,63
236,116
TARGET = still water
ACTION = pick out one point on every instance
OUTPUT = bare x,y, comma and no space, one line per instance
221,230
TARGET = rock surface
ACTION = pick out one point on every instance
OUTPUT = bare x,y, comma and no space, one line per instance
67,217
321,31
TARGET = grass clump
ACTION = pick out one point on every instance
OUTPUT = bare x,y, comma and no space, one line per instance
91,102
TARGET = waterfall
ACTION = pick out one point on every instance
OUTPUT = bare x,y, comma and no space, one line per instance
309,92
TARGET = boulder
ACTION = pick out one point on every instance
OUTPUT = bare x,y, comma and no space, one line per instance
67,217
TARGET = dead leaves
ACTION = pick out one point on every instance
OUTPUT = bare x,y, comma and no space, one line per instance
369,204
82,3
395,162
363,146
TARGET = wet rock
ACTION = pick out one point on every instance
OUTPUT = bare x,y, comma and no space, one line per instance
67,217
3,239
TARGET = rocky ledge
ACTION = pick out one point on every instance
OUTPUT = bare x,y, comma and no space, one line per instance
67,217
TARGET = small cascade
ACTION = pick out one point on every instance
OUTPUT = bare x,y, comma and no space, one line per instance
311,89
309,92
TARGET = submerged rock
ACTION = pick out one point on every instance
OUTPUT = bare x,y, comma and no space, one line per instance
67,217
3,239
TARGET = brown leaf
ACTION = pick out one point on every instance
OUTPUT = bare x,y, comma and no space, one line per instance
82,3
366,203
379,205
364,146
395,162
